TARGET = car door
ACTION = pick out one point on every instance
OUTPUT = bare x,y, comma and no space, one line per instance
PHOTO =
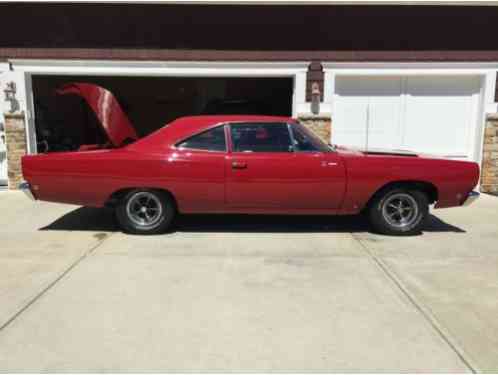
266,170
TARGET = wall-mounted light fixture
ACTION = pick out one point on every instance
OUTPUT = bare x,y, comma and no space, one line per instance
315,98
10,96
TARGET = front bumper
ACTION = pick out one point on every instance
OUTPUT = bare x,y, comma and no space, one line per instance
471,198
26,189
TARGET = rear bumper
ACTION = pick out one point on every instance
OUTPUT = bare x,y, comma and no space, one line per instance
26,189
471,198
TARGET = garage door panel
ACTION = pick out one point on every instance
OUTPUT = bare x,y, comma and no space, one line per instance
353,112
384,120
442,86
440,113
429,114
368,111
437,125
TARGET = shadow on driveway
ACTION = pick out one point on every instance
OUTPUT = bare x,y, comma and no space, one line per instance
102,220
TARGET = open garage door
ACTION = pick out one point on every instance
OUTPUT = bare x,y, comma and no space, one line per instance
429,114
65,122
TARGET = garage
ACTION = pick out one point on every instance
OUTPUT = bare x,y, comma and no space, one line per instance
64,123
429,114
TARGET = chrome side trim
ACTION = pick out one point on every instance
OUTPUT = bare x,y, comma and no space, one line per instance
472,197
26,189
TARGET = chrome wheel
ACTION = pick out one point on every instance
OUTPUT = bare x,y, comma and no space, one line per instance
400,210
144,209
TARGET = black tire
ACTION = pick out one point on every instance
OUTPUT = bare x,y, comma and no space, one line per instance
145,211
389,211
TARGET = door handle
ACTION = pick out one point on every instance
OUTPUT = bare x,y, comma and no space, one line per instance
239,165
328,163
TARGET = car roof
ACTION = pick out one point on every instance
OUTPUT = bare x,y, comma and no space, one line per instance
184,127
201,120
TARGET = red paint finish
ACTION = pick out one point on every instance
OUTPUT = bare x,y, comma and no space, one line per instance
335,182
107,109
453,179
296,181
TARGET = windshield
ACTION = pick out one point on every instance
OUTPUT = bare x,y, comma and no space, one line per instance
317,144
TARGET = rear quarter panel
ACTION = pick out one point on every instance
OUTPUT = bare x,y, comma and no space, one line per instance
83,178
89,178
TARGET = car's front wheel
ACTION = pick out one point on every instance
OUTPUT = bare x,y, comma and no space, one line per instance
399,211
145,212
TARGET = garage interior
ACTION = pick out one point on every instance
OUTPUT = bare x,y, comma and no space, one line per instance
64,123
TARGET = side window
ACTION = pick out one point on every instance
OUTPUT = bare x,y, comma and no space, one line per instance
210,140
260,137
301,141
305,141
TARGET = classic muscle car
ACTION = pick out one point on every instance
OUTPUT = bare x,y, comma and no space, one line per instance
240,164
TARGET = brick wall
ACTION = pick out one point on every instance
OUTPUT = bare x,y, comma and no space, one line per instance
15,136
319,124
489,174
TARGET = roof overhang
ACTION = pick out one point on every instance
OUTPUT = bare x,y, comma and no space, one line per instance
278,59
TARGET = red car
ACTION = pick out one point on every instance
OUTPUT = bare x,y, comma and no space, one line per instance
240,164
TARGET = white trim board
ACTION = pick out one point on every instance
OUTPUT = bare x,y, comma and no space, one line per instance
160,68
412,65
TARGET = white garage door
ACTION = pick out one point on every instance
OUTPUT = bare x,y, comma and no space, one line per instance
429,114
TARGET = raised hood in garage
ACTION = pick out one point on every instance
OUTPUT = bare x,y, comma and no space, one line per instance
111,116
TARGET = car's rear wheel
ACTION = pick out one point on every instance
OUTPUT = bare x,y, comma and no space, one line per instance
399,211
145,211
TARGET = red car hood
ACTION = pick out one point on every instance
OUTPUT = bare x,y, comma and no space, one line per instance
107,109
377,151
387,152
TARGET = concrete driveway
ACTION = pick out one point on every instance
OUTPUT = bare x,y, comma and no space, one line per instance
234,293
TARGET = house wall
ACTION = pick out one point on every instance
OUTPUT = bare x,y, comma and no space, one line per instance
489,178
3,147
15,133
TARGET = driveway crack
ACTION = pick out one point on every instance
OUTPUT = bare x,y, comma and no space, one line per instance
53,282
423,310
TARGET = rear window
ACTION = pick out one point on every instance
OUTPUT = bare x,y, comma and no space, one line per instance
210,140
